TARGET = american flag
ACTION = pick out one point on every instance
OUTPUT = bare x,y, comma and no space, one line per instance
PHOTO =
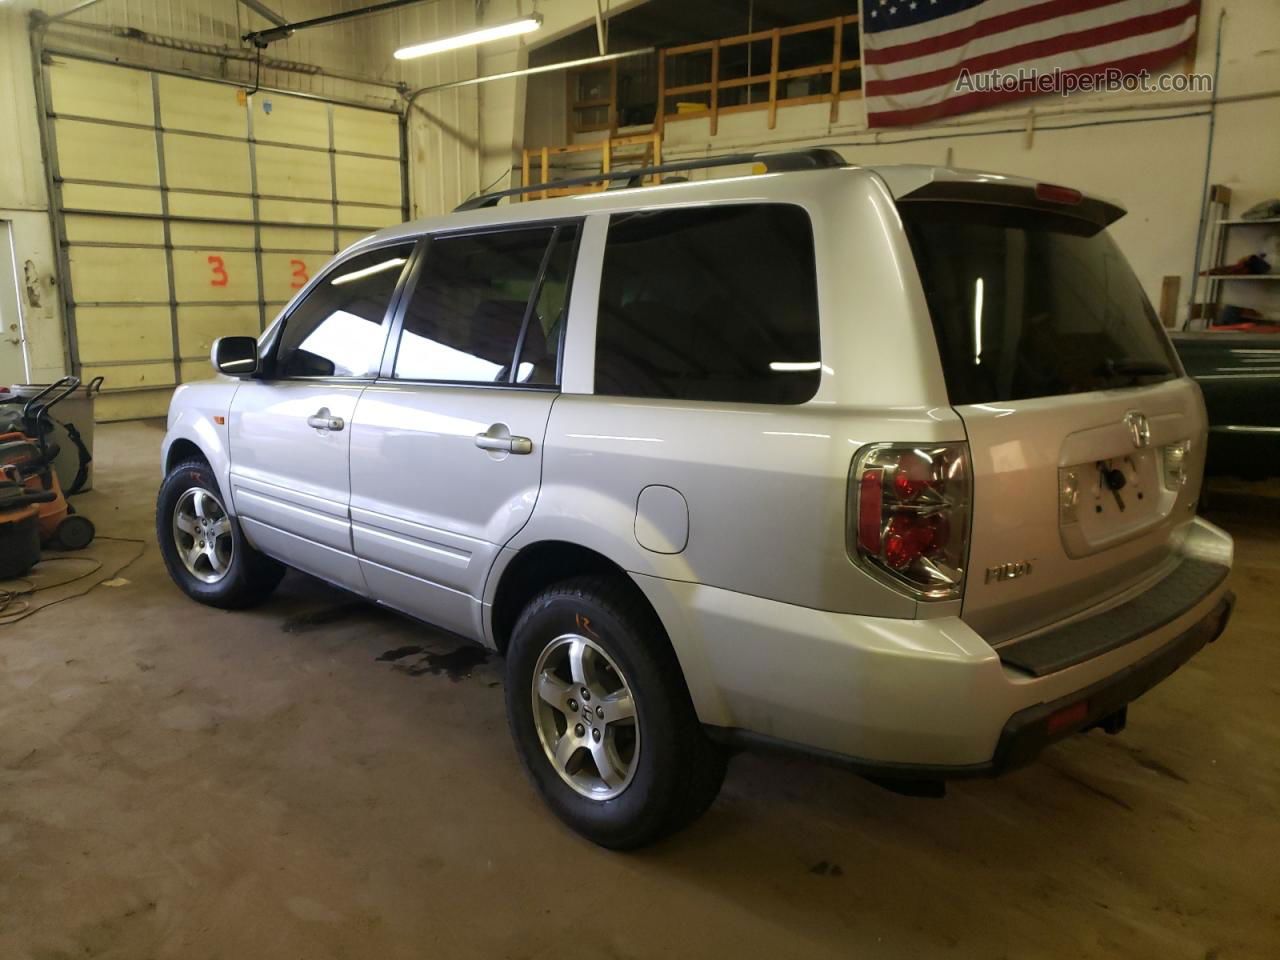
914,51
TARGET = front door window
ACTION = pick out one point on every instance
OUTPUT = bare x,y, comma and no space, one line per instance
339,330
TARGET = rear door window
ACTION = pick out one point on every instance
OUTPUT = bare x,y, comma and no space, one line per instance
713,303
1030,304
483,297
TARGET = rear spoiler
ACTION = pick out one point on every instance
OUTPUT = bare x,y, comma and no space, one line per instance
1046,197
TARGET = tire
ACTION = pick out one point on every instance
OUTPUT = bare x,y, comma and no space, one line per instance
665,771
230,573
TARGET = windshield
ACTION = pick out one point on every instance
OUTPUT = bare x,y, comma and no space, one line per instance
1031,304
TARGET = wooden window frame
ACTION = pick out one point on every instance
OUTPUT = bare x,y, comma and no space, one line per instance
572,126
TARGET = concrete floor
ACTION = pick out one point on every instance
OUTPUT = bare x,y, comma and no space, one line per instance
181,782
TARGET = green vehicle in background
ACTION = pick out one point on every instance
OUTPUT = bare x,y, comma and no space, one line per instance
1239,374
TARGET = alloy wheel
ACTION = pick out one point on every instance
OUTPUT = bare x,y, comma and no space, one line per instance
586,718
202,534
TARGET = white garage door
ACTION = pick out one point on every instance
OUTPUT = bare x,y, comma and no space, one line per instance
187,210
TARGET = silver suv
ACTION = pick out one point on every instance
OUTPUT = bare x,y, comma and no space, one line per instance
893,467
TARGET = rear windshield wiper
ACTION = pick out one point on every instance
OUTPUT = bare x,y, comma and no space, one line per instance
1134,368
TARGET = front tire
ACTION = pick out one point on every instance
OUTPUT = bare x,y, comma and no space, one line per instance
601,716
204,549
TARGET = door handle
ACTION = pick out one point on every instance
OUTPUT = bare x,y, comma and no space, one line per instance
498,439
323,420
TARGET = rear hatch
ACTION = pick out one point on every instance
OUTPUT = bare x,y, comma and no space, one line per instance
1086,437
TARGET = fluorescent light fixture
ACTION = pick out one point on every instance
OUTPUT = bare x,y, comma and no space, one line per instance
786,366
483,35
368,271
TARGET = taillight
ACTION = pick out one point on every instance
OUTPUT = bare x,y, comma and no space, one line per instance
1052,193
908,520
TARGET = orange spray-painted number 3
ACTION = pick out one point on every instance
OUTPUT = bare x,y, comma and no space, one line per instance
300,277
219,272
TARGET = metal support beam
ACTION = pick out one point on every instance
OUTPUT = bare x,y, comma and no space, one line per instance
69,13
261,38
601,39
528,71
262,10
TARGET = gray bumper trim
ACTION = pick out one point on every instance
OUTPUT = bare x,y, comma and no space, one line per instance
1177,594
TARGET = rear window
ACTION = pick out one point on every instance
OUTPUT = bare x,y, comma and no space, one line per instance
1030,304
713,303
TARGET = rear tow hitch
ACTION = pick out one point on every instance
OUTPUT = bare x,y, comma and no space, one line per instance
1113,723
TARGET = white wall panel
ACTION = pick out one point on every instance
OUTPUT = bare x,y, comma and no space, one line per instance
84,89
187,104
114,230
99,151
119,274
354,215
183,233
125,333
281,119
295,211
363,131
95,196
367,180
182,204
285,172
311,239
199,326
202,163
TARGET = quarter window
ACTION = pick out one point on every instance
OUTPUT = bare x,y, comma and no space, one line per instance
712,303
337,330
465,318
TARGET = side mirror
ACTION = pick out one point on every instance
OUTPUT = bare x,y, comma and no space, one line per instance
235,356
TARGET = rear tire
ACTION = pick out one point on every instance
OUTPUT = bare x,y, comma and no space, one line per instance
204,549
663,771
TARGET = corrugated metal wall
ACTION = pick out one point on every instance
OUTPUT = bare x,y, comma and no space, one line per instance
444,128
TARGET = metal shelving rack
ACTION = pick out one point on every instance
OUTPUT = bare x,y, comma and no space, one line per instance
1218,231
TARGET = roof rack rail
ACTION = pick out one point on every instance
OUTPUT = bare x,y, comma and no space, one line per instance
816,158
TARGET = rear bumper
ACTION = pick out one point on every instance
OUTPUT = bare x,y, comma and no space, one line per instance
1032,729
923,699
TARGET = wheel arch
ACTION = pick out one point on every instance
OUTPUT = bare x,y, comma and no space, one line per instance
198,416
537,566
181,450
522,574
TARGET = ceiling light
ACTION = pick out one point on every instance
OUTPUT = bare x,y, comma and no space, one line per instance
483,35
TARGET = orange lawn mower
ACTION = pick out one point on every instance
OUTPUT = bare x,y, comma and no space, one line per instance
29,484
